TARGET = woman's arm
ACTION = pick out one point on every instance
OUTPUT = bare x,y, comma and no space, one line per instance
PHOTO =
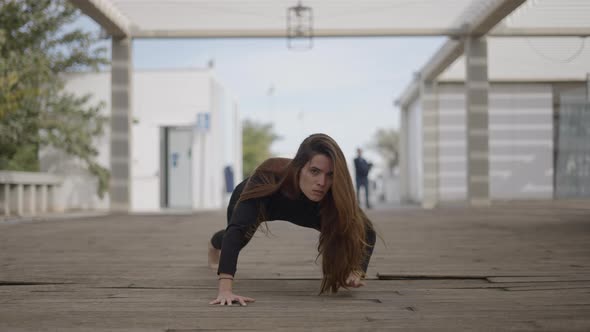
236,236
370,238
355,279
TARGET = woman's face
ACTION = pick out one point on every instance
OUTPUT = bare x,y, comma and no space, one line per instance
316,177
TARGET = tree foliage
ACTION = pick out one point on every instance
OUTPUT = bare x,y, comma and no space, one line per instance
386,143
256,141
37,45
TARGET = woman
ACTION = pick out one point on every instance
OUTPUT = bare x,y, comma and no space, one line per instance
312,190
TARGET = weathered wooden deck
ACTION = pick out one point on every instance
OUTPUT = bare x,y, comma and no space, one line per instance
520,266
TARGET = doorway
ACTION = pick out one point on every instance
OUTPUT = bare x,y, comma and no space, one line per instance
176,180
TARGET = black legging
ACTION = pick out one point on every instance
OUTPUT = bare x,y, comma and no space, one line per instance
217,238
362,182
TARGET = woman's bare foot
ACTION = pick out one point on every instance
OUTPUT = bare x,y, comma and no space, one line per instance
213,256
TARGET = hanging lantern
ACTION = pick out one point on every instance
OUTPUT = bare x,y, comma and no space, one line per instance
299,27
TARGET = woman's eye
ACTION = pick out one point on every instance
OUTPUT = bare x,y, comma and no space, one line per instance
314,171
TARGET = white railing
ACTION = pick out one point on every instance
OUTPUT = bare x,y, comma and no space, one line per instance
29,193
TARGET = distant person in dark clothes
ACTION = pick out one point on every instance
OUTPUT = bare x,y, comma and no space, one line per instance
362,169
312,190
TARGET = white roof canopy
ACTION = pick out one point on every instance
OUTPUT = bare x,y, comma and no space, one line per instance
530,60
268,18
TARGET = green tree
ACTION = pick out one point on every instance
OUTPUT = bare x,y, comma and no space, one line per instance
37,45
386,143
256,141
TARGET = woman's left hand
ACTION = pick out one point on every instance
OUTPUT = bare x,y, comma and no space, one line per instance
355,280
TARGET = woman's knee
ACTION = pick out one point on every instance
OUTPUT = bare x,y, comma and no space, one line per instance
217,239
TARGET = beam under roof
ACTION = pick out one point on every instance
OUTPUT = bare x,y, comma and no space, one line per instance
105,14
282,33
501,31
394,32
486,19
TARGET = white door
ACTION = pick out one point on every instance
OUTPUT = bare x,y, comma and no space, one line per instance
179,168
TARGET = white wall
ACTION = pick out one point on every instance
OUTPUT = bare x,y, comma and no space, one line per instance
160,98
208,182
521,141
79,189
452,162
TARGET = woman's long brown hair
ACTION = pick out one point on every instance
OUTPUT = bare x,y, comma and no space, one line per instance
343,225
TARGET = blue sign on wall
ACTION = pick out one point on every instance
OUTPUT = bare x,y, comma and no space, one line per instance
203,122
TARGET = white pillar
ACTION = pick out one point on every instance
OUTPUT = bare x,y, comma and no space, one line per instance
7,199
121,95
429,144
43,199
476,89
404,193
19,199
31,199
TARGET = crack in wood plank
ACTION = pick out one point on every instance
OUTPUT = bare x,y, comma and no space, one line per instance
31,283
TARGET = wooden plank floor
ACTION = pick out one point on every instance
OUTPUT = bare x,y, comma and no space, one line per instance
516,266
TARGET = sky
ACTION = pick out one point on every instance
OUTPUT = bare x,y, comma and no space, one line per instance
344,87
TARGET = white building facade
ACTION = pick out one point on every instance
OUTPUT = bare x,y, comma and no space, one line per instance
520,138
186,148
537,114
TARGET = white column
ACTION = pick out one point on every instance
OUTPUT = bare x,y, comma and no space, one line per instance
43,199
19,199
429,144
404,193
7,199
31,199
476,90
121,95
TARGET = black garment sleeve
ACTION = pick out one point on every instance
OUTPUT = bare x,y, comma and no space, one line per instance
237,234
370,238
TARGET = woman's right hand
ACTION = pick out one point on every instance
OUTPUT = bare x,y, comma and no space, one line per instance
227,297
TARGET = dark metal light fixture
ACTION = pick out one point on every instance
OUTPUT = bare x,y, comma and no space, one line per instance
299,27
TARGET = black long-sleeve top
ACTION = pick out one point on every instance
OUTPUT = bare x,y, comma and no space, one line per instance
300,211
